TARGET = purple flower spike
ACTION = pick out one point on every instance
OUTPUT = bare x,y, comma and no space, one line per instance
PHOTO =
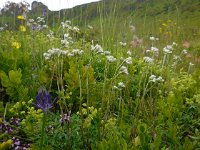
44,12
44,100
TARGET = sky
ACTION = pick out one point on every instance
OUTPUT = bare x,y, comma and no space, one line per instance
53,4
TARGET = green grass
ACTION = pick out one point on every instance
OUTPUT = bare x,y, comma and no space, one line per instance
108,96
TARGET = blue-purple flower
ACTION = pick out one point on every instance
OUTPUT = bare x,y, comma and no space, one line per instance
44,100
34,26
14,121
44,12
19,145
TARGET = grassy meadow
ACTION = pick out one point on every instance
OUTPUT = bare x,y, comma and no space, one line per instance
111,75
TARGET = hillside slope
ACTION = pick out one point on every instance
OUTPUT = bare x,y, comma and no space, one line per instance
147,15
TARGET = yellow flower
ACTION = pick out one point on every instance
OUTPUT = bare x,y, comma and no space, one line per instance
169,20
22,28
164,24
16,45
20,17
160,29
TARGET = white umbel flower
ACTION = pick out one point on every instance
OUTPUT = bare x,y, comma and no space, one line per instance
75,29
174,44
148,60
97,48
129,52
191,64
111,59
31,20
184,51
123,69
154,49
115,88
154,79
107,52
122,43
166,50
128,60
121,85
152,38
160,79
90,27
77,52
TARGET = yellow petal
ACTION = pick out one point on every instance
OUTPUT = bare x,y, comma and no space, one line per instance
22,28
20,17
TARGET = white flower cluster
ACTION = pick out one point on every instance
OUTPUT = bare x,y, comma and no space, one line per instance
123,70
40,20
148,60
129,52
90,27
168,49
54,52
75,29
154,79
38,24
66,40
31,20
154,50
107,53
75,52
111,59
2,28
191,64
176,58
50,35
184,52
66,24
174,44
128,60
153,38
97,49
122,43
119,86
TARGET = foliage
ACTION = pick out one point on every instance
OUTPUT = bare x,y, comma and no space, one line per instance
12,83
114,88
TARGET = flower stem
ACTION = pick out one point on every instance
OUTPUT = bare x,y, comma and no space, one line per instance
42,133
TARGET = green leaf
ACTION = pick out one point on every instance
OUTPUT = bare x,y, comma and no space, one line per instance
15,77
4,79
142,128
